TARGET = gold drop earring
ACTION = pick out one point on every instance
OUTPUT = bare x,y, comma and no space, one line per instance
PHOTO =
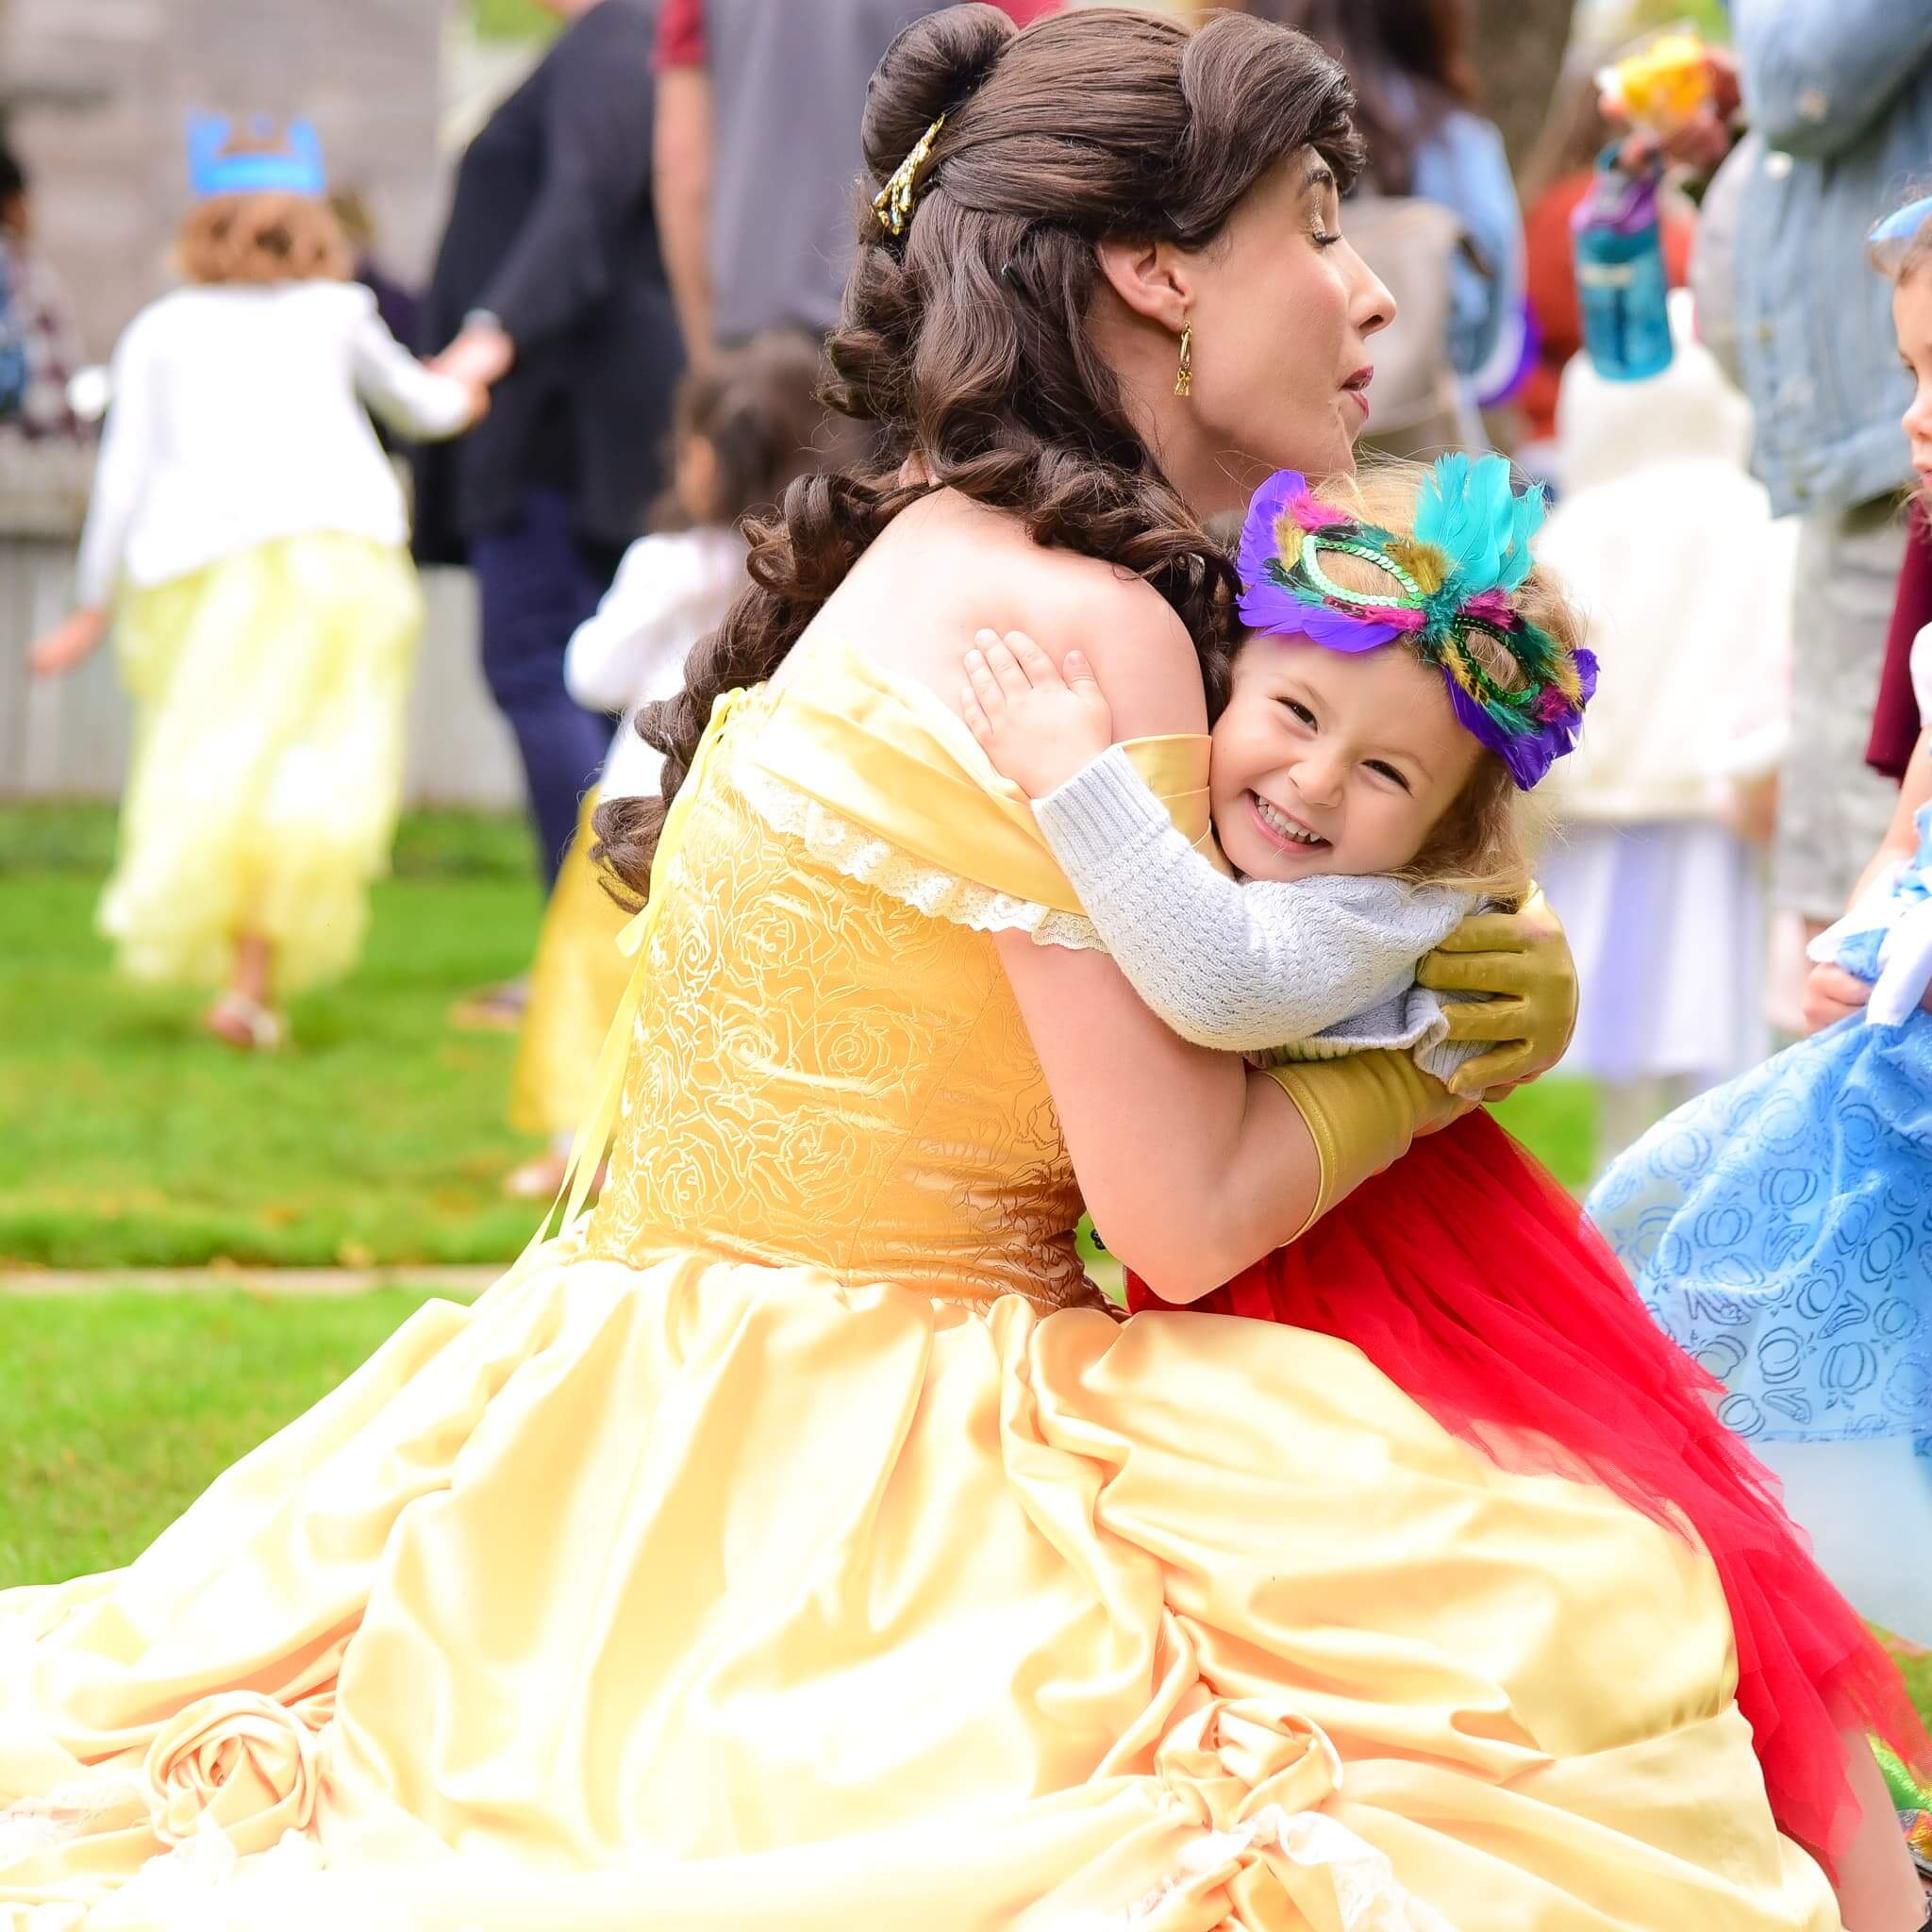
1184,376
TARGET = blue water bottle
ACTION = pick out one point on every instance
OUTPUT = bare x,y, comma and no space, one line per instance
1622,289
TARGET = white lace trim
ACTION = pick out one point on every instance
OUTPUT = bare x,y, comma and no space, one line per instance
32,1825
857,853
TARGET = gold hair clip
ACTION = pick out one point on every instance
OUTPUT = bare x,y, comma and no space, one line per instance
893,203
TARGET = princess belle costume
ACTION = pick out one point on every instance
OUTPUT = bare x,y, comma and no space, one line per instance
800,1541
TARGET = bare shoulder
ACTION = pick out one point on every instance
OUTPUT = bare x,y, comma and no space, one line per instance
947,569
1134,639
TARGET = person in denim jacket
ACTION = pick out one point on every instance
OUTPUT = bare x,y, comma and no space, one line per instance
1839,96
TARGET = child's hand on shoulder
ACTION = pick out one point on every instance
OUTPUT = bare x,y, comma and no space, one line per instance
1038,722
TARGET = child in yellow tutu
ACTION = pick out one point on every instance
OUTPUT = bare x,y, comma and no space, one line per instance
249,538
743,428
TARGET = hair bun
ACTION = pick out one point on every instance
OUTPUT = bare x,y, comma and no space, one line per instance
929,69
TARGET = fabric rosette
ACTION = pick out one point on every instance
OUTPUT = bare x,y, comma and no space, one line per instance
238,1760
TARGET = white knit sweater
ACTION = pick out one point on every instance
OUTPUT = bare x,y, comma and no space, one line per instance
1302,969
238,418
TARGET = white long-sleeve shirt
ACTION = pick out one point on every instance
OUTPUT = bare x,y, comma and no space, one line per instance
670,591
238,418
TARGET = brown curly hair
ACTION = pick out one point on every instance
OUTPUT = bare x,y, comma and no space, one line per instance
964,342
758,408
262,239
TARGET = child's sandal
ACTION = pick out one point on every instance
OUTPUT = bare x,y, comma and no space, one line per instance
241,1021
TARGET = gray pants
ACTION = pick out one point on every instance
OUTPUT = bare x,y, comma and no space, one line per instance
1833,809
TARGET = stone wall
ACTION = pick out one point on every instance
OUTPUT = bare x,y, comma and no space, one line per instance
110,83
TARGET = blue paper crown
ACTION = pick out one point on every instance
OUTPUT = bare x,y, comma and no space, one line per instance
295,169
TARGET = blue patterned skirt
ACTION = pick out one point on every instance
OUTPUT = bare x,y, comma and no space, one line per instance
1780,1229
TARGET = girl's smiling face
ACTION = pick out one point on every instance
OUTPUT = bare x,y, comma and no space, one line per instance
1332,761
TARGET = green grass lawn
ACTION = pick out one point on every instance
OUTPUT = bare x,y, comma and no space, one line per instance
118,1410
129,1138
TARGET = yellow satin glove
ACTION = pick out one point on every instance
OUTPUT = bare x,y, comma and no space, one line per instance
1522,962
1363,1112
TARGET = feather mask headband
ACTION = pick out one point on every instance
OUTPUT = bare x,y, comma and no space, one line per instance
1449,599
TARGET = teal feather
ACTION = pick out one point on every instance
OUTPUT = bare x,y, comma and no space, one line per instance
1469,511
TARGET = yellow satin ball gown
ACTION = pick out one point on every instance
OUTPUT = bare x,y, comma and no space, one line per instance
799,1541
576,982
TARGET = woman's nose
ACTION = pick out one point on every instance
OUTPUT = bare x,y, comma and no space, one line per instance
1371,306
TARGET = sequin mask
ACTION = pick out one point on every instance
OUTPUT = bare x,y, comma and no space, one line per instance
1450,600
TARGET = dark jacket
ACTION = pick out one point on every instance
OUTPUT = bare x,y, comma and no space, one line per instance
551,229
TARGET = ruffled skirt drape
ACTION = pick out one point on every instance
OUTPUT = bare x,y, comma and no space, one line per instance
701,1595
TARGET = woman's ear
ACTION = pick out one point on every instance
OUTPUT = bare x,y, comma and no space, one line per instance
1153,278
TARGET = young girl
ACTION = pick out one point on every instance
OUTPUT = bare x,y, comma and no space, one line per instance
743,428
1778,1229
249,535
1365,793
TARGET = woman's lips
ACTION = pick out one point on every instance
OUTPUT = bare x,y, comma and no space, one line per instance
1356,386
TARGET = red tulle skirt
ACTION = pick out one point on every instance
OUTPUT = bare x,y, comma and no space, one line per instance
1469,1277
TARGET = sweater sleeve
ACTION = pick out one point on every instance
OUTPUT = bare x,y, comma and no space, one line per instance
411,399
669,590
121,472
1243,967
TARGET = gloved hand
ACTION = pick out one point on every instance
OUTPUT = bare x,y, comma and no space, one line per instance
1362,1111
1522,962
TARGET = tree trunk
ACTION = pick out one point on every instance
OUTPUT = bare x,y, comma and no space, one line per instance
1517,53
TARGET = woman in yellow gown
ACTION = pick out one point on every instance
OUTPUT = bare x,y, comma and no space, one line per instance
799,1539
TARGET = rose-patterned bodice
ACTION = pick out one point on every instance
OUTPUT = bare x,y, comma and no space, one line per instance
829,1066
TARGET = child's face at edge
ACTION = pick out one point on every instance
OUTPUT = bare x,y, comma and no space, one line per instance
1912,316
1326,761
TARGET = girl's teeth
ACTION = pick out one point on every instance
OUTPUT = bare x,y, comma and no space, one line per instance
1286,827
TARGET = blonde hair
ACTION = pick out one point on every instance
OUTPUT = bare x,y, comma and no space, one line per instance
1484,841
262,239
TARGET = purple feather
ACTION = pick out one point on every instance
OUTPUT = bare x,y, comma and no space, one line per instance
1257,549
1527,753
1274,608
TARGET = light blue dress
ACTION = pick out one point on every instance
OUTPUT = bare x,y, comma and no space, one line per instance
1779,1228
